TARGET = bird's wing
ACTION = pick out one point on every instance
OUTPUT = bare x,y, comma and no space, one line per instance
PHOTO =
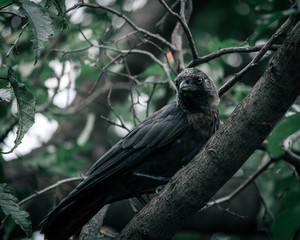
156,131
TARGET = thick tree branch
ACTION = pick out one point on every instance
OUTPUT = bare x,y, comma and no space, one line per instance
91,229
192,187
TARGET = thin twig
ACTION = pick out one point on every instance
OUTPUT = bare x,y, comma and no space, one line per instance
131,94
13,13
250,179
114,41
5,6
112,122
67,180
43,191
17,39
223,51
257,58
226,210
130,22
186,29
122,125
166,14
47,105
3,221
131,77
124,53
132,106
102,72
150,98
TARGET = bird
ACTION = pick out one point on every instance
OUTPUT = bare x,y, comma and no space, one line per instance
146,158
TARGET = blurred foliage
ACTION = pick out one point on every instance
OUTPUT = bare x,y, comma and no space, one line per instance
9,205
283,130
50,59
63,160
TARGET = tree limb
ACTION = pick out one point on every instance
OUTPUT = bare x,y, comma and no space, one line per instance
130,22
249,180
257,58
192,187
183,22
223,51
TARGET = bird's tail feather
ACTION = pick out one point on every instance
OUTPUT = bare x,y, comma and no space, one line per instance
77,209
70,216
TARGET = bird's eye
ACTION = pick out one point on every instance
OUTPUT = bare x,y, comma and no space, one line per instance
199,81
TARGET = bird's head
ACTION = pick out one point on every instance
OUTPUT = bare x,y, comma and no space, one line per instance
195,90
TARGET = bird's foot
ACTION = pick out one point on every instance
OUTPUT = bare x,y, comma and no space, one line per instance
159,188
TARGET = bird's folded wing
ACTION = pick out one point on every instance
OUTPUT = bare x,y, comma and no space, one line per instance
157,131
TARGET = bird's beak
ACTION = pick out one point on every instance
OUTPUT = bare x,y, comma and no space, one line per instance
185,86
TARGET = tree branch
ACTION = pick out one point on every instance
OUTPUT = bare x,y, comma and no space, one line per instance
223,51
257,58
67,180
38,193
249,180
130,22
226,151
6,5
92,228
17,39
183,22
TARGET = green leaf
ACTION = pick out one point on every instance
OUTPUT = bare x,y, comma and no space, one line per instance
283,129
26,107
9,205
40,24
287,222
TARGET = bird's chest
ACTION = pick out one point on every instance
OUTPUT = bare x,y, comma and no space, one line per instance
200,121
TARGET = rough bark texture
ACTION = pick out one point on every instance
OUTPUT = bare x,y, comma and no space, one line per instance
226,151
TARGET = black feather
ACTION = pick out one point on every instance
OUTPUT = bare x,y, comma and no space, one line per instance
159,146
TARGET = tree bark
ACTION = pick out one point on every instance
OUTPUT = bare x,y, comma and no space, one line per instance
250,123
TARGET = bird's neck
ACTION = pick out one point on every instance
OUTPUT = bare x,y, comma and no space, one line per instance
207,118
193,105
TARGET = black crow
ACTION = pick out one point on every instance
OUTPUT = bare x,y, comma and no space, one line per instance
145,158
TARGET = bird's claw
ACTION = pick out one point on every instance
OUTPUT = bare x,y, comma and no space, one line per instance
159,188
